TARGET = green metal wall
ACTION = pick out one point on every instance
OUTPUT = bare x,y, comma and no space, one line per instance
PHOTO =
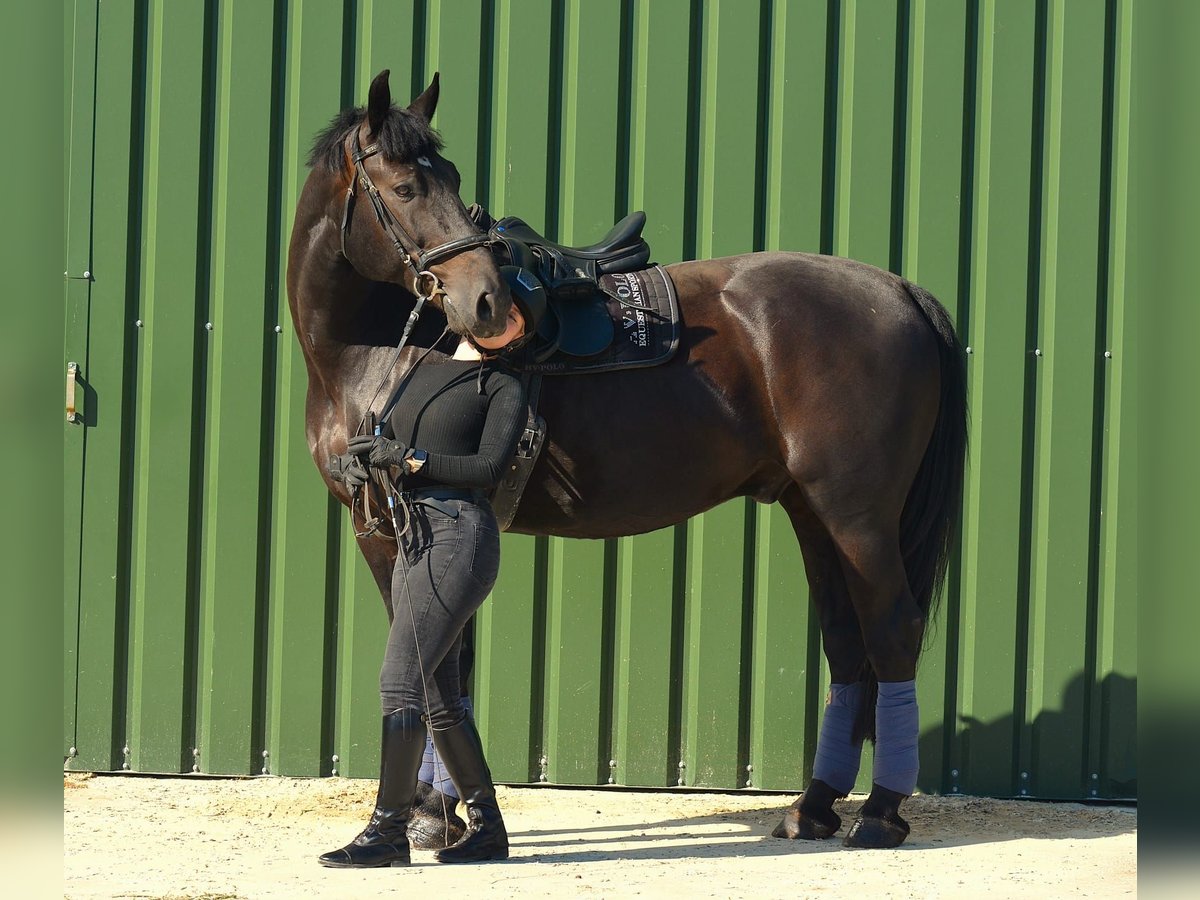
220,618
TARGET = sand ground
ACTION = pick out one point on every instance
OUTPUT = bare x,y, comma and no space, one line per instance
221,839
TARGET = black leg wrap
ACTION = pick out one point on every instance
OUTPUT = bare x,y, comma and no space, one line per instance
384,842
485,837
811,818
879,825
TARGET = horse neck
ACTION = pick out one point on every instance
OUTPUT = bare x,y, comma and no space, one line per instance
325,293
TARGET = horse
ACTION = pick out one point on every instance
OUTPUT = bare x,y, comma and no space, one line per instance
826,385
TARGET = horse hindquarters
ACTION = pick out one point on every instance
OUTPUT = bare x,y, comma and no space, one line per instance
930,510
893,557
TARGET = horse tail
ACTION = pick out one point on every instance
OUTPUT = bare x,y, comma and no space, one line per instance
935,497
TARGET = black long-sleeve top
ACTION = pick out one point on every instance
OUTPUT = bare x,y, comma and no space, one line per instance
470,436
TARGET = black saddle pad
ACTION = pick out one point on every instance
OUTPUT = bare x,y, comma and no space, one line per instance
641,329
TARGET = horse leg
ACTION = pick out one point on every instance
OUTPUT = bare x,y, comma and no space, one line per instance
812,817
381,559
892,625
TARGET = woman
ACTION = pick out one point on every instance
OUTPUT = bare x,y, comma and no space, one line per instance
451,436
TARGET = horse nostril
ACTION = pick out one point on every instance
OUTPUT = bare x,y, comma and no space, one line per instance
484,307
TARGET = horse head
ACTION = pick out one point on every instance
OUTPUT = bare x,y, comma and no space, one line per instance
403,220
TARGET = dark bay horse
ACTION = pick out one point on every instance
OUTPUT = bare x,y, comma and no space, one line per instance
831,387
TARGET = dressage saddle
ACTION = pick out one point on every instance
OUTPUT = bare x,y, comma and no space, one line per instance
623,249
577,321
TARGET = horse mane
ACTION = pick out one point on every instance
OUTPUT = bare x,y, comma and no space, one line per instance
403,136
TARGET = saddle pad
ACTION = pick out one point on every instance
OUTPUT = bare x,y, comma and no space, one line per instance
645,318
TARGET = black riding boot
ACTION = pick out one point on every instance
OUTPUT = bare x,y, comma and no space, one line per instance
434,824
384,841
485,837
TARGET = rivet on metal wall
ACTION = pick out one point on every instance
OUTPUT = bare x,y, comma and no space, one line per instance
682,766
954,773
969,350
544,762
1108,354
278,330
87,275
208,326
1024,776
72,753
138,323
1037,352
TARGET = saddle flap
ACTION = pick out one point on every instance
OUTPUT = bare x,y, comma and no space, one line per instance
582,328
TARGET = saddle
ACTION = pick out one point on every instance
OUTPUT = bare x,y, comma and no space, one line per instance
623,249
589,307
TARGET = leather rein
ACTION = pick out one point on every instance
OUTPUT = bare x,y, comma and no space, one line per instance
426,285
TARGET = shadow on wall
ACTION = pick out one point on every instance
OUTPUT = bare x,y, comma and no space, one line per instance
1084,750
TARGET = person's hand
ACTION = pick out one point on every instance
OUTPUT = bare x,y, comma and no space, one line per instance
377,450
349,470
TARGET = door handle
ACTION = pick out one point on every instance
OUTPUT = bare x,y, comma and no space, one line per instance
72,372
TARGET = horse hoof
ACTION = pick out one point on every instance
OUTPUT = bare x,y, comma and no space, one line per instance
797,825
874,833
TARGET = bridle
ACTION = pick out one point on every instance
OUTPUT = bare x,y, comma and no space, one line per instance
425,283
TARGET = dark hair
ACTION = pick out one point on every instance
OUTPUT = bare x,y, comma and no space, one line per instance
403,136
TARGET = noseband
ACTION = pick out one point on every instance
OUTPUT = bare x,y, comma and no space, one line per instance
425,283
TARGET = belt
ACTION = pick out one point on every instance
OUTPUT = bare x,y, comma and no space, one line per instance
436,497
438,492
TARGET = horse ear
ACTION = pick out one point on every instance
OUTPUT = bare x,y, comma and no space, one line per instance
379,101
425,105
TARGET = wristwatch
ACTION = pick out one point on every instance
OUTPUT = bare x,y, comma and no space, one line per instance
414,459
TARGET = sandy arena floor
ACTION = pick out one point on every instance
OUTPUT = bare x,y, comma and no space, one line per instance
213,839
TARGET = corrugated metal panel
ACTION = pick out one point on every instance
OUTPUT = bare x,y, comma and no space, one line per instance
222,618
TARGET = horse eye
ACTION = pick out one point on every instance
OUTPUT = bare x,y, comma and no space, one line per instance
403,191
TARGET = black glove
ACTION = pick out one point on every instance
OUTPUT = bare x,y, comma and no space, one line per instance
349,470
378,451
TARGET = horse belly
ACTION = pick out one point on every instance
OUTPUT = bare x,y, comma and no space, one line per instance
634,451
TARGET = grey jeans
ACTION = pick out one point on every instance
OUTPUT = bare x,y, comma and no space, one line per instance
446,567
